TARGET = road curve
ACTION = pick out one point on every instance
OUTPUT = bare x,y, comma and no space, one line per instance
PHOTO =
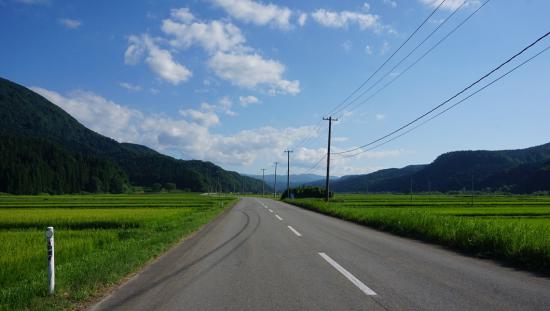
268,255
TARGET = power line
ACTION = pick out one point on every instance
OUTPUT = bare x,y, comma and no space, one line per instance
420,58
450,107
388,59
406,56
316,164
318,125
449,99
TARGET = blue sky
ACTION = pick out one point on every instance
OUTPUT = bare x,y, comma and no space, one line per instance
238,81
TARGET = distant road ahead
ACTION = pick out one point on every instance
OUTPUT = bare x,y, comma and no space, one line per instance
268,255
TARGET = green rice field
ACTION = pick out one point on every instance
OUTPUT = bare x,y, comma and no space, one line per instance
512,229
99,239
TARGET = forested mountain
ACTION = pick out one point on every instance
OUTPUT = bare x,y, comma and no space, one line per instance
518,171
44,149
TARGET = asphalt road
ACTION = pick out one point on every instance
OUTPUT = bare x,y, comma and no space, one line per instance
268,255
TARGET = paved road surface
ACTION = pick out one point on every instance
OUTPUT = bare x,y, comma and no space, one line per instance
267,255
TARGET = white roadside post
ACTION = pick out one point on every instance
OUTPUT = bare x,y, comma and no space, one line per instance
51,258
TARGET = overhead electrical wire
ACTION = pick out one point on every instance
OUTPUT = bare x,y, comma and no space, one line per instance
316,164
407,56
448,108
420,58
318,125
449,99
389,58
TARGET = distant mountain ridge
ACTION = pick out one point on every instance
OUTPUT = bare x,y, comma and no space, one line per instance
295,180
518,171
44,149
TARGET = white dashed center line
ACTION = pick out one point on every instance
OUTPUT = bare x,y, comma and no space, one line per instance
294,230
270,210
278,217
364,288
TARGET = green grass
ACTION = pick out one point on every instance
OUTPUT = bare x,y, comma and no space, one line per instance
513,229
99,239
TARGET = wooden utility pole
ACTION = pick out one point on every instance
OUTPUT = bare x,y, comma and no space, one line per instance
288,172
275,182
411,191
327,190
263,181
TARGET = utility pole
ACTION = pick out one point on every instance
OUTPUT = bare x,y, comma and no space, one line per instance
472,189
263,182
275,182
411,182
288,172
242,184
327,190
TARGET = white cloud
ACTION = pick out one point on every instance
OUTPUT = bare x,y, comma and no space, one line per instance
97,113
347,45
33,2
183,15
160,61
205,118
212,36
189,136
225,104
390,3
251,70
340,139
380,116
384,48
302,18
368,49
256,13
344,19
366,6
450,4
246,101
129,86
231,59
70,23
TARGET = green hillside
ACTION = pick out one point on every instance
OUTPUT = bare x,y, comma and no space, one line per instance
517,171
44,149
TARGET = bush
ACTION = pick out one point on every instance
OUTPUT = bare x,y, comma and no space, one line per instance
156,187
170,186
306,192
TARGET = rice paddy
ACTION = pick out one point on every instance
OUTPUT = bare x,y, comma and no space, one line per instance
99,239
512,229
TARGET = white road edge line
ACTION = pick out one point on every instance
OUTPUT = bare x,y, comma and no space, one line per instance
294,230
278,217
270,210
364,288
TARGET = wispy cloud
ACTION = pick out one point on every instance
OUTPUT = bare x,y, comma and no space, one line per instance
256,13
129,86
70,23
34,2
159,60
190,135
246,101
450,4
390,3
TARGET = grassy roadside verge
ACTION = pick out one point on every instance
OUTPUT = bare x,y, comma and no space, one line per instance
517,235
99,241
